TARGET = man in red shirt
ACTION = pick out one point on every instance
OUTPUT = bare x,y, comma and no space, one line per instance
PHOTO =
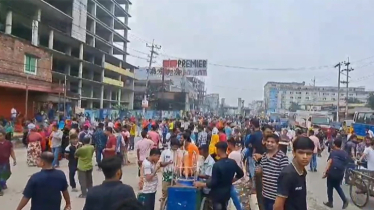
222,135
110,148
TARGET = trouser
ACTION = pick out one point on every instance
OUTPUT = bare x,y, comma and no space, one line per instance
268,204
313,162
98,154
335,183
149,201
219,204
56,152
72,172
251,167
235,198
132,138
258,187
85,180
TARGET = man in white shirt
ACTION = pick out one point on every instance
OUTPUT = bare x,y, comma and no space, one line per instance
168,161
150,180
13,113
369,155
206,167
369,133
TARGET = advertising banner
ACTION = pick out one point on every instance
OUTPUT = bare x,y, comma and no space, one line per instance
186,67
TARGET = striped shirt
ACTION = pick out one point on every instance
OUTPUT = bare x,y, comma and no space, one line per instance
271,168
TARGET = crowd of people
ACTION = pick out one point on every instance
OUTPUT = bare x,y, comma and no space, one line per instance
234,154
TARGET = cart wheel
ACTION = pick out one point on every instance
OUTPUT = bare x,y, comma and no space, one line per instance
358,190
202,205
164,204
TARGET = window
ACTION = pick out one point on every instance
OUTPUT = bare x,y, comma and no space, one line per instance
324,99
298,97
291,92
307,98
31,64
306,93
291,97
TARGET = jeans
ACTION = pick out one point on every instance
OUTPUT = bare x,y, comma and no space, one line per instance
72,172
85,180
251,166
56,152
219,205
98,153
149,201
313,162
268,204
335,183
235,198
132,138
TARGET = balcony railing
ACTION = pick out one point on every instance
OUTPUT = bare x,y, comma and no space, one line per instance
111,81
119,70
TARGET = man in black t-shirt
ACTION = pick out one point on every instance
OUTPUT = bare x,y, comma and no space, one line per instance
291,193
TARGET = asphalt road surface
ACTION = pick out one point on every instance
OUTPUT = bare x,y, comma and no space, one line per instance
21,173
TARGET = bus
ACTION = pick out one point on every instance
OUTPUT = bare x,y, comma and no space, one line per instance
363,120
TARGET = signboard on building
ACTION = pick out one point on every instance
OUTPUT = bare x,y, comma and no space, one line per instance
186,67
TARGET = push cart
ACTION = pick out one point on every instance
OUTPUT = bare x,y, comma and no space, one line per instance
361,186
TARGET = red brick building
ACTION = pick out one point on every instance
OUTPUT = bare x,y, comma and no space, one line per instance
22,67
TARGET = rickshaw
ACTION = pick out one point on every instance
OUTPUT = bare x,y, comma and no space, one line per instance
361,183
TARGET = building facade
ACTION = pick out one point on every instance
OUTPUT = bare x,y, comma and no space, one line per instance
211,102
84,42
279,95
199,86
174,93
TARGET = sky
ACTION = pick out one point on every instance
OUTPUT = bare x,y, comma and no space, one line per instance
281,41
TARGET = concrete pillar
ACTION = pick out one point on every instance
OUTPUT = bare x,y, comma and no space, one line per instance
50,41
89,105
111,38
103,62
92,91
67,69
91,75
80,72
81,51
112,8
8,22
93,11
68,50
102,97
119,91
35,28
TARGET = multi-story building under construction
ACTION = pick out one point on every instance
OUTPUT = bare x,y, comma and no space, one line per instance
71,50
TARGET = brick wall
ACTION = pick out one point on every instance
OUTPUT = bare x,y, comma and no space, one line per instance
12,52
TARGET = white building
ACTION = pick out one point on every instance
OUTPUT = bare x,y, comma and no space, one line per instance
279,95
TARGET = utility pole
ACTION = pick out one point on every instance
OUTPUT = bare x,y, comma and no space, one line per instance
153,47
314,88
347,70
339,65
27,97
65,112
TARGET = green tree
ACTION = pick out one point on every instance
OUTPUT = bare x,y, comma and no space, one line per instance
294,107
353,101
370,101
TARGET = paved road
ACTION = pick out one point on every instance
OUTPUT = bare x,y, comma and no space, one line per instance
21,173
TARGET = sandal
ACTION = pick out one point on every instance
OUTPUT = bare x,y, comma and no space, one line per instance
81,196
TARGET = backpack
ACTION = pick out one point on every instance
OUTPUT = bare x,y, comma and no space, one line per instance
84,134
338,165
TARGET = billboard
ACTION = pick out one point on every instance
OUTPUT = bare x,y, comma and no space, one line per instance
186,67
